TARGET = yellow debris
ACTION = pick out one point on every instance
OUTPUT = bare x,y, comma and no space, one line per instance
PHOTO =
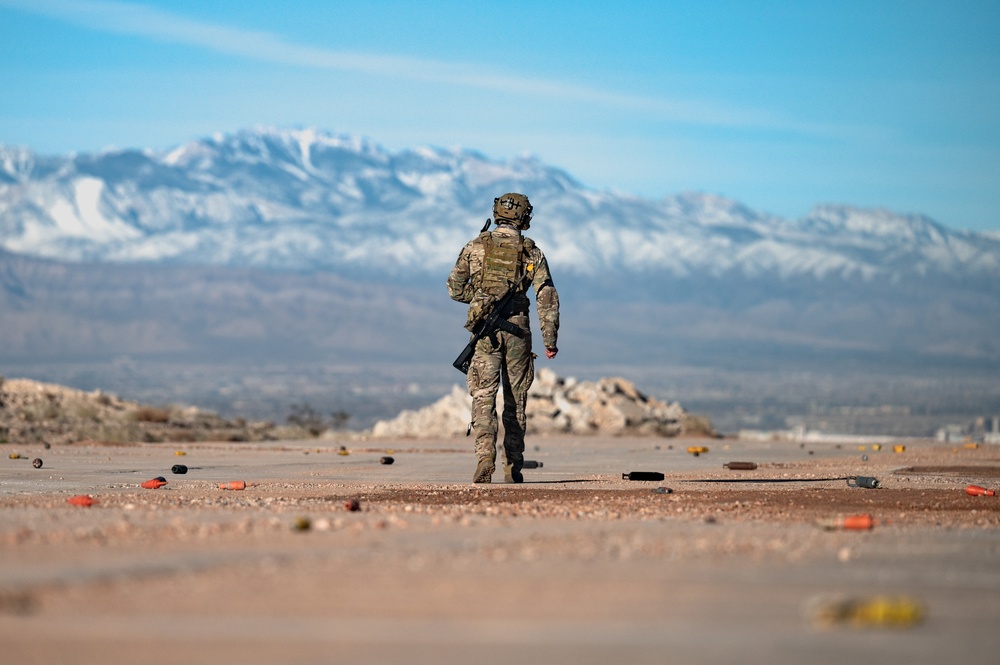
872,612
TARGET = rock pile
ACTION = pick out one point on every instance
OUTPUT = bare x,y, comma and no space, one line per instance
449,416
31,411
610,406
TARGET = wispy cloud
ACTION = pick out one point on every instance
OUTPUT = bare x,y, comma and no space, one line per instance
144,21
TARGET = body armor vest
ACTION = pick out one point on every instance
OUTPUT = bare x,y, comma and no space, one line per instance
503,268
503,263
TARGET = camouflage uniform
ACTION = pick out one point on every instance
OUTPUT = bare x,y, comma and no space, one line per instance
504,355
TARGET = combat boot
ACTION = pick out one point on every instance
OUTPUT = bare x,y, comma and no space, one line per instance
484,471
512,472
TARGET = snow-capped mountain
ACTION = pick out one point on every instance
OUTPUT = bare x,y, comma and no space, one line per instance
319,261
301,199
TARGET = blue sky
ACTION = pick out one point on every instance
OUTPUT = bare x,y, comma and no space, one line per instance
781,105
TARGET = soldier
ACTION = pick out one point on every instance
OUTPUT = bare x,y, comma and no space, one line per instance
487,267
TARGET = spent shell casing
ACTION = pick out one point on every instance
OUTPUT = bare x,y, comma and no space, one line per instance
643,475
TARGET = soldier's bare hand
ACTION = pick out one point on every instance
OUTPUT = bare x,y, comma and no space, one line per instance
551,353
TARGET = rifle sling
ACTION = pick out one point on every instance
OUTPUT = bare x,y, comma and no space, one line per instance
507,326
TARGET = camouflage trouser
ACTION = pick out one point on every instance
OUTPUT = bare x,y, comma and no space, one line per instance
508,356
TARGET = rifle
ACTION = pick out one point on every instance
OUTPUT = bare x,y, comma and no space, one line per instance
487,326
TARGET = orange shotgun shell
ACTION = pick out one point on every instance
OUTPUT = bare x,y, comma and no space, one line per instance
858,522
234,485
154,484
976,490
80,500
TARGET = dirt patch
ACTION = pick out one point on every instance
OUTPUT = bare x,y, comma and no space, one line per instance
804,505
952,471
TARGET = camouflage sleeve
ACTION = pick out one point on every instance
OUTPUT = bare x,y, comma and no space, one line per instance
460,280
547,301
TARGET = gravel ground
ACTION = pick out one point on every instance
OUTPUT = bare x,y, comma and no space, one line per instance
575,565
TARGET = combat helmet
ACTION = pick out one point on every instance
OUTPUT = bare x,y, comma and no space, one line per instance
513,207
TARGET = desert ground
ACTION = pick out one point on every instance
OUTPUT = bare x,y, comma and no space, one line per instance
576,565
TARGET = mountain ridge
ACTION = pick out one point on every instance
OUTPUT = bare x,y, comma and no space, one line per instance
304,200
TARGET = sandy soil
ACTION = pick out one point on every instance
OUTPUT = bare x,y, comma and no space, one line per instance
575,565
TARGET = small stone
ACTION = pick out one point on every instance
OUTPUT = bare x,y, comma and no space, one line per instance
352,505
17,603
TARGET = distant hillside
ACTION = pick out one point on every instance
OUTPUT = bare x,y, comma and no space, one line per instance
80,312
35,412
